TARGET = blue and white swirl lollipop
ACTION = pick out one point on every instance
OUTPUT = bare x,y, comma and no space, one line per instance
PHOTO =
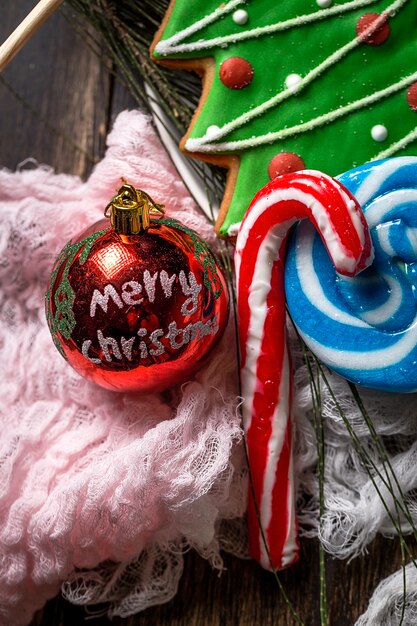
364,328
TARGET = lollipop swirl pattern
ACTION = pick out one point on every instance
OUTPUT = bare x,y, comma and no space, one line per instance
364,327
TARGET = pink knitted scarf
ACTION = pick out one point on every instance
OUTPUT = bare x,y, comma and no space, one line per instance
115,485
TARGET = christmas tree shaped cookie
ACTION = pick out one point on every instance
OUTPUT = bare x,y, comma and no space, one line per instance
294,84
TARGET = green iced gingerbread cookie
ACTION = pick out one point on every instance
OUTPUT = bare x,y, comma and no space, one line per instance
295,84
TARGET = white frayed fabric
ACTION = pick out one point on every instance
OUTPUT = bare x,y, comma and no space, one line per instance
388,605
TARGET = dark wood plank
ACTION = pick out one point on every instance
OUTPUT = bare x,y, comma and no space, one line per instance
61,118
121,99
71,90
246,595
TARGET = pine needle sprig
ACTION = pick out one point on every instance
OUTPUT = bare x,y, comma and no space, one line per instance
315,392
372,469
389,470
127,30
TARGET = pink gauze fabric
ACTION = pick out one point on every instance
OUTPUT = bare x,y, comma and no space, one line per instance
99,491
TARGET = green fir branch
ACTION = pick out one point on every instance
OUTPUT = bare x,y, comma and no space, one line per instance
314,382
126,29
370,466
389,470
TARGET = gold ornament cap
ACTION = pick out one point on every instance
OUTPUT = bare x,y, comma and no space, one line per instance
130,210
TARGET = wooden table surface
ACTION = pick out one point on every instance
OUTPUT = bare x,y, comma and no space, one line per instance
57,102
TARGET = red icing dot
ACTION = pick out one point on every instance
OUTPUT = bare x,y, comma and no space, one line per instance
236,73
284,163
412,96
378,36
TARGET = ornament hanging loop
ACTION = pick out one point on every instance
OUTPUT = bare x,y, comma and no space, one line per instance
130,210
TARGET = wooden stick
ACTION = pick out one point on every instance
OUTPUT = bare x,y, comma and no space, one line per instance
26,29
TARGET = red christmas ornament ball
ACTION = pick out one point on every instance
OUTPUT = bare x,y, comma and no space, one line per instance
138,311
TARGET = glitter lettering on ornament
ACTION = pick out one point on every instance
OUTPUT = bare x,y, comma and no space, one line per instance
132,289
177,338
133,293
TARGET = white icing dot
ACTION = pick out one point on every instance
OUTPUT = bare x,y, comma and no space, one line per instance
240,17
233,230
323,4
212,131
379,132
292,81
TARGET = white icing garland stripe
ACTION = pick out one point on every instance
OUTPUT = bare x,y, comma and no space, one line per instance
199,145
398,145
170,46
202,144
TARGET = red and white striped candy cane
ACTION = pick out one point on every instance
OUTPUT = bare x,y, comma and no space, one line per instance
266,375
